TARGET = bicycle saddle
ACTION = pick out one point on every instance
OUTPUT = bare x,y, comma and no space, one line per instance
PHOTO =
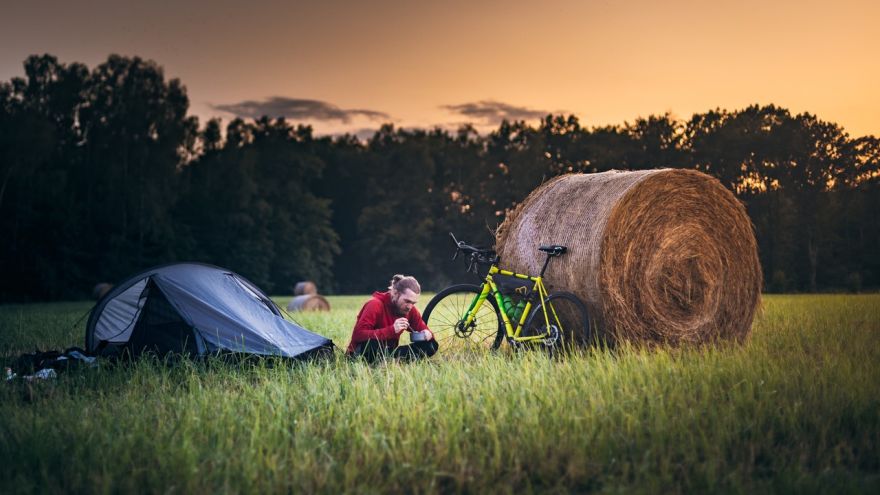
554,250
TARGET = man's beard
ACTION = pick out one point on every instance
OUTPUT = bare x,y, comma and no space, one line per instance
397,309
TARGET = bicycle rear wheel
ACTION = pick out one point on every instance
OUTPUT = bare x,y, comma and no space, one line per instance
568,318
445,313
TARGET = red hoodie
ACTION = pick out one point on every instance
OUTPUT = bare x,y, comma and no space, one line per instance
376,322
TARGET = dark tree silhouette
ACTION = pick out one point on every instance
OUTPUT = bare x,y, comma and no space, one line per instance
103,173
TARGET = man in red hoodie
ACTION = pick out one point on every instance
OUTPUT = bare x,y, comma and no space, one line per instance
385,317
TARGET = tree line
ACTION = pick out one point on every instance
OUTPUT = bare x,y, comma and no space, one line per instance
104,173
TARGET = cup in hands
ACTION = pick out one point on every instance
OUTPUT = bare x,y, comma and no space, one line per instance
400,325
420,336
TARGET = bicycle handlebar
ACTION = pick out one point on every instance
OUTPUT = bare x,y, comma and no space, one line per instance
475,255
462,246
489,256
457,247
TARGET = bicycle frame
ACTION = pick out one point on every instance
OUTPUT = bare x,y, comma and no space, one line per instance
513,329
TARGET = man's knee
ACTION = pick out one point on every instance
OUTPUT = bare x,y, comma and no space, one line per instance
431,347
426,348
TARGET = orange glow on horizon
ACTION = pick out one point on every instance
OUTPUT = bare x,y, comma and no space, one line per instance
607,63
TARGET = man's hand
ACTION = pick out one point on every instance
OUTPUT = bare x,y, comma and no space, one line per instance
400,325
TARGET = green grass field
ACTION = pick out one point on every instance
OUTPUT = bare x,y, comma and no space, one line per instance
795,409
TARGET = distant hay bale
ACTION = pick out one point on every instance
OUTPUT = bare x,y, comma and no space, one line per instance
308,302
659,256
99,290
305,287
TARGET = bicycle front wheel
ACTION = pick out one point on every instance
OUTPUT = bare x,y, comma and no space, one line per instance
446,312
568,320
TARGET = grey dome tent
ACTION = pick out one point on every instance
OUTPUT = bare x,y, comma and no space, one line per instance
194,309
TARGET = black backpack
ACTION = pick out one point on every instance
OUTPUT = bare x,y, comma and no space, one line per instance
74,357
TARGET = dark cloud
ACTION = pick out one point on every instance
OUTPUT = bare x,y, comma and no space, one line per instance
363,134
297,109
493,112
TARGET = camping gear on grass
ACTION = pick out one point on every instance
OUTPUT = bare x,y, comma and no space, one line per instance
308,302
659,256
194,309
100,290
45,365
304,288
306,298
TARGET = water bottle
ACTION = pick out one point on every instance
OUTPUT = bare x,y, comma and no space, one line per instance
507,305
518,310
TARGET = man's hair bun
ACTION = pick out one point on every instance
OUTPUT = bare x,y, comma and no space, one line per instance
402,282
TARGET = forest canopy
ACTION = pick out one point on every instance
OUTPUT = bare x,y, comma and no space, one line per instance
103,172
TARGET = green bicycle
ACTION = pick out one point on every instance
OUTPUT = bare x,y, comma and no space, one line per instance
506,304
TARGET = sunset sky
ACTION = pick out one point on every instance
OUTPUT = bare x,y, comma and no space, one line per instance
350,66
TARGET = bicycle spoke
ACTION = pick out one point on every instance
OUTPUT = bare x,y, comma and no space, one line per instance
447,315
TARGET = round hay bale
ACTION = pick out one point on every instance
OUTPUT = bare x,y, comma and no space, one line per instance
305,287
99,290
308,302
659,256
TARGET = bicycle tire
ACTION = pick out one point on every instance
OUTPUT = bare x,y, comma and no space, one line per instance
444,312
572,316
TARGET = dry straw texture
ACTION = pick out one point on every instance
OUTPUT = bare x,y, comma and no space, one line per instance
659,256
